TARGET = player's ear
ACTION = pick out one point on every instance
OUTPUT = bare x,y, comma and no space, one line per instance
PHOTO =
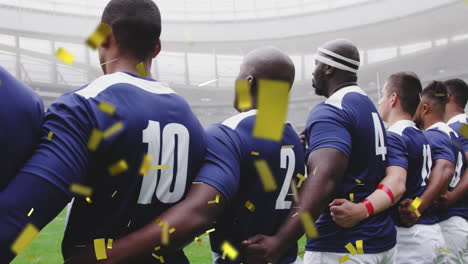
393,99
329,70
157,49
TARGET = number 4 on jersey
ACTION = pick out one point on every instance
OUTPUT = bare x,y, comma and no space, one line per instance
380,148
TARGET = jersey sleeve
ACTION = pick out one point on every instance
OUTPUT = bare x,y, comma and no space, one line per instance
441,146
221,168
397,151
328,127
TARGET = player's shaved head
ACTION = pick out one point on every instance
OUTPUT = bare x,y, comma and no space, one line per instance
458,91
408,88
268,63
136,25
337,63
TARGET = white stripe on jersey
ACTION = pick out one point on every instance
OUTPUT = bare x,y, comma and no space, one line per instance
401,125
458,118
337,97
443,127
233,121
104,82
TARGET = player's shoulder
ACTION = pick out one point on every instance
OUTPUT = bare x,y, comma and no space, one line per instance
23,95
460,118
239,120
347,96
403,128
440,128
122,80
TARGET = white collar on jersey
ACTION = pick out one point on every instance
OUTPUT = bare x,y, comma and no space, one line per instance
458,118
442,127
399,126
336,98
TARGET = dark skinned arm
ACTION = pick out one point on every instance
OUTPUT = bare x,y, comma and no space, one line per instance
189,218
439,180
459,192
313,197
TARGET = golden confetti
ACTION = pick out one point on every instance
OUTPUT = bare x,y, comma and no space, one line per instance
464,130
250,206
119,167
254,153
141,70
273,99
160,167
216,200
88,200
440,95
81,189
112,130
172,230
161,258
244,99
107,108
300,253
95,139
100,248
358,181
113,194
197,239
344,259
30,212
98,36
229,250
146,165
301,180
315,170
360,247
165,233
445,250
309,225
157,248
415,205
287,147
26,236
50,135
65,56
210,230
109,243
351,197
351,248
266,176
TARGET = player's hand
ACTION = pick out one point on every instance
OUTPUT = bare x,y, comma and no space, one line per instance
407,217
263,248
445,200
346,213
303,139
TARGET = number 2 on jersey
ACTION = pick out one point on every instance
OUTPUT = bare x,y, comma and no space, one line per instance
288,161
175,144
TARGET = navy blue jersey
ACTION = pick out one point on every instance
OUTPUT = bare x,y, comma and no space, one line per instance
155,121
350,123
452,144
21,114
229,167
409,148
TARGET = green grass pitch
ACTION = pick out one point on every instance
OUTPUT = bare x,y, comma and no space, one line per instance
45,249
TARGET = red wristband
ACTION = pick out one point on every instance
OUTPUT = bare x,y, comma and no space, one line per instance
388,191
369,206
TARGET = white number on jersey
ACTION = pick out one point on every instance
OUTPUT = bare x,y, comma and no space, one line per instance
380,148
427,164
457,175
287,158
167,154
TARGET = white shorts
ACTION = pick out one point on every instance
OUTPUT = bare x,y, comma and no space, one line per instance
419,244
455,233
315,257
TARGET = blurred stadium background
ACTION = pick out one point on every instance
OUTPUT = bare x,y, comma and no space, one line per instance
204,42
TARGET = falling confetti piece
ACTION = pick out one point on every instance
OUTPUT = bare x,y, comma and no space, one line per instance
351,248
415,205
113,194
229,250
309,225
172,230
440,95
254,153
50,135
358,181
273,98
244,99
161,258
287,147
360,247
109,243
95,139
98,36
81,189
160,167
141,70
112,130
216,200
344,259
210,230
65,56
119,167
315,170
197,239
146,165
301,180
100,248
445,250
250,206
157,248
30,212
26,236
107,108
165,233
464,130
266,176
351,197
89,200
